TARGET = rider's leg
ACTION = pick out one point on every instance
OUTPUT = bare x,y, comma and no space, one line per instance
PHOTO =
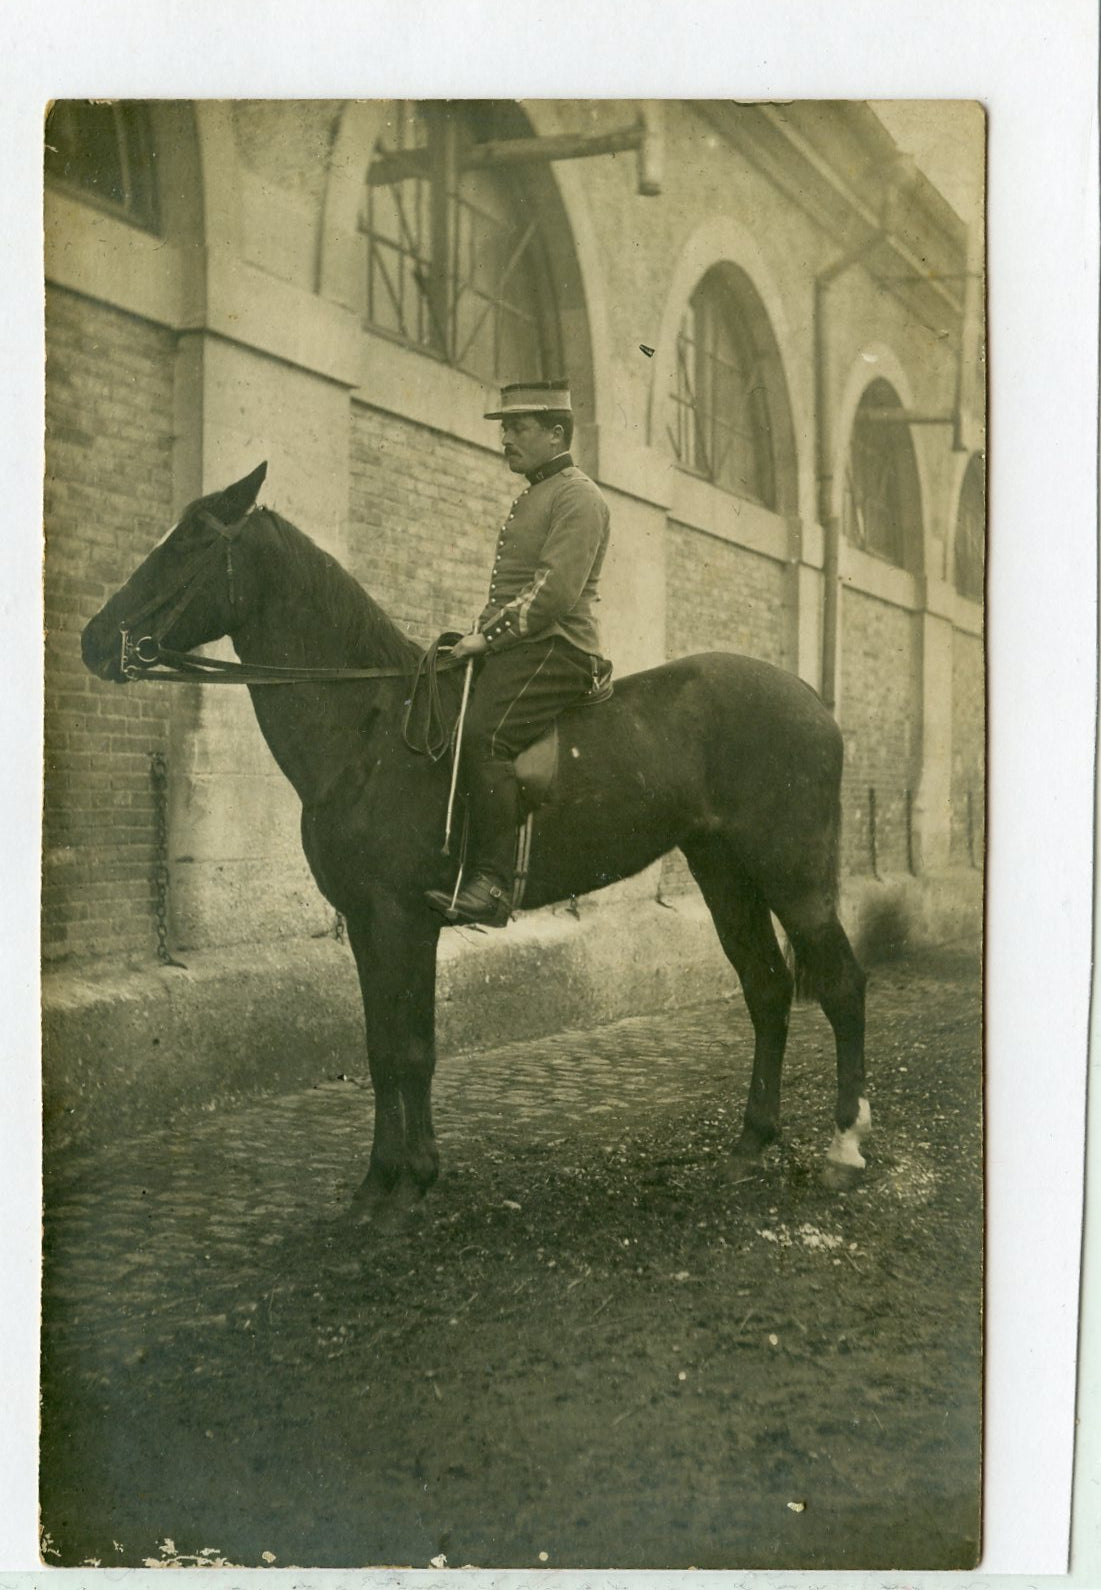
494,793
518,693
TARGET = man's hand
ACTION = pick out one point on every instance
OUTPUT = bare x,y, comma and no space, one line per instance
470,646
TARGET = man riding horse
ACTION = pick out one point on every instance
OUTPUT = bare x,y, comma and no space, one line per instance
536,640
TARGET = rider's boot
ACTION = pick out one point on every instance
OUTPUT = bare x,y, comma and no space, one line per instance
485,899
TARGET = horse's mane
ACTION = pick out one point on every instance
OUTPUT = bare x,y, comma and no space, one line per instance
340,602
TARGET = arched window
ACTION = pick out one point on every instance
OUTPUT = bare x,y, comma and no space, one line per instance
971,531
456,262
882,512
104,151
728,388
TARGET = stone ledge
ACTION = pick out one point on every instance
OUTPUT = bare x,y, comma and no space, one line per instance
129,1051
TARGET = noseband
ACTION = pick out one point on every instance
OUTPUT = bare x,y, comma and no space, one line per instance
146,651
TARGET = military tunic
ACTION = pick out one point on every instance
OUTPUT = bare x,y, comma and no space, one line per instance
550,552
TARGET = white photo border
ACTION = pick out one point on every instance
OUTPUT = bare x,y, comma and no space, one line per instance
1033,65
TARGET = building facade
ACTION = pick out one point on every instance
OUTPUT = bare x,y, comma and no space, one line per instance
776,363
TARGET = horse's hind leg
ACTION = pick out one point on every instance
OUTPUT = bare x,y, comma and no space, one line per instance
827,967
744,926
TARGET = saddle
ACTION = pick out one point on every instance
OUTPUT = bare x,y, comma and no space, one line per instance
537,772
537,766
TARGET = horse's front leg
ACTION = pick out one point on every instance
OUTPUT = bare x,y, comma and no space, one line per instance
395,953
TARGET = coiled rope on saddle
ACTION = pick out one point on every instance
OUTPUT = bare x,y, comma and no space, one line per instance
436,734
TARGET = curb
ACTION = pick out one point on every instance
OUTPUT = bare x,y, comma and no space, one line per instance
136,1050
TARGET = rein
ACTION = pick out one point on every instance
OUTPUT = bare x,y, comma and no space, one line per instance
186,667
189,667
146,659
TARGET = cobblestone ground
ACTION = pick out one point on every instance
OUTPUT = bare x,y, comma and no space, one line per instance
230,1367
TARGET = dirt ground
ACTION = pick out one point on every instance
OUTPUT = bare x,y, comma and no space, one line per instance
593,1351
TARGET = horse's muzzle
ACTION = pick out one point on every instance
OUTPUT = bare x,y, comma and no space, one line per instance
101,651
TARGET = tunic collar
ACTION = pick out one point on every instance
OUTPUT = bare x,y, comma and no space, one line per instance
551,467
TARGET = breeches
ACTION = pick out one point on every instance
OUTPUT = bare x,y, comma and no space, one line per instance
518,693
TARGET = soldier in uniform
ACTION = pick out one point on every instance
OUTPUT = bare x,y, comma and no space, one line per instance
536,643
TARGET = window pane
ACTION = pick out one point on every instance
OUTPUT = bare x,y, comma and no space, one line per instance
483,295
882,502
106,151
399,241
720,400
82,147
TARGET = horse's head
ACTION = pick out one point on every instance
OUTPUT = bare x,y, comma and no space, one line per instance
183,594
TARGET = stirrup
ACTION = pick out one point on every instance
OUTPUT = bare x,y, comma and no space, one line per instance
481,903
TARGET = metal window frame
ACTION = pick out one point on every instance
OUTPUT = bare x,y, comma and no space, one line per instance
443,290
713,306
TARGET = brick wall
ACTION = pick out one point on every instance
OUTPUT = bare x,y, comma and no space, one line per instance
108,495
424,515
881,721
720,597
968,747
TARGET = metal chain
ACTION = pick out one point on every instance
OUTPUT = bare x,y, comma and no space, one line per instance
158,770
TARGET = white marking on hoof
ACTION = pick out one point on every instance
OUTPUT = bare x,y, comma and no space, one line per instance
845,1148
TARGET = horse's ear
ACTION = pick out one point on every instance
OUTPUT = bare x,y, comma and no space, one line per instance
237,499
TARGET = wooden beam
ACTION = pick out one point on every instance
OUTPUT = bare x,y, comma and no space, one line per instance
397,167
905,417
651,152
559,146
443,154
509,152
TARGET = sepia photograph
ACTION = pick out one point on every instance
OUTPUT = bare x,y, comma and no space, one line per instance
514,834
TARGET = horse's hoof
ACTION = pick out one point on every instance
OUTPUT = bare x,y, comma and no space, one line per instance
387,1212
837,1177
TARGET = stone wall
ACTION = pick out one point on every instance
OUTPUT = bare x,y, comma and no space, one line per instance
108,498
968,761
719,597
881,721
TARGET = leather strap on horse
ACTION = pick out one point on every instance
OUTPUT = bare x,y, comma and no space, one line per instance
164,666
437,734
188,667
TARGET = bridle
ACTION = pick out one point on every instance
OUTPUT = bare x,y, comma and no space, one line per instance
145,658
138,656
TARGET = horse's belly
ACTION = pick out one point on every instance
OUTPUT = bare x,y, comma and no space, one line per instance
574,851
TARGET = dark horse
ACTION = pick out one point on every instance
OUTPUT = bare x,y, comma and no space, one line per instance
732,760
